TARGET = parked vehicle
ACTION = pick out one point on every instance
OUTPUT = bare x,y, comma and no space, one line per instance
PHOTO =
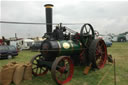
108,43
107,40
7,52
14,43
123,37
26,44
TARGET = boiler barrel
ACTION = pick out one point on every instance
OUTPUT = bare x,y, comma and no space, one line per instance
60,48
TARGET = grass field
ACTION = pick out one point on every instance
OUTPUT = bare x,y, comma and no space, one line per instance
119,51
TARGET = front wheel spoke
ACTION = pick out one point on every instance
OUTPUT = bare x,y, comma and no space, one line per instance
40,70
43,69
37,70
34,68
34,63
37,58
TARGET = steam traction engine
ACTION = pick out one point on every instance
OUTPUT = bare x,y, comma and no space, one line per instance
64,48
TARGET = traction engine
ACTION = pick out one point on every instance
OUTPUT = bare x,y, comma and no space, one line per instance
64,48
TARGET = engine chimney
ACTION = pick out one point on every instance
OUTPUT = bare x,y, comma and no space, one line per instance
48,9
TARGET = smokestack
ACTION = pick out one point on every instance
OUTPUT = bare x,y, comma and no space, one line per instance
48,9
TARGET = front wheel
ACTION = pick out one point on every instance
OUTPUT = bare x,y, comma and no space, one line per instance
62,70
38,70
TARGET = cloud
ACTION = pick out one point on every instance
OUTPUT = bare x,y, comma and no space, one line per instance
106,17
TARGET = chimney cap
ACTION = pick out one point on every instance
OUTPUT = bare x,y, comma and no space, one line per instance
48,5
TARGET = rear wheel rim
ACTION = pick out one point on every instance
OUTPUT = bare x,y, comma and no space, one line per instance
65,72
37,70
101,54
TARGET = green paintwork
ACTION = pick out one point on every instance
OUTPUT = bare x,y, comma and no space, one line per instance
68,47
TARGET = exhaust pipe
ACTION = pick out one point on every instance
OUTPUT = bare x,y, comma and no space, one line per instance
48,9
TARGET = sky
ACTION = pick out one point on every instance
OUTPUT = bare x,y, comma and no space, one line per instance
104,16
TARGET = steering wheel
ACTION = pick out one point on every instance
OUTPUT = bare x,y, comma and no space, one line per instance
87,30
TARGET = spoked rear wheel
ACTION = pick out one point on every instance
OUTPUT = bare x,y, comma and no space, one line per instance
98,52
36,69
62,70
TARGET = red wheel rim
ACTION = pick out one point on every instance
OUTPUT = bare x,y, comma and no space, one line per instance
101,54
65,72
36,70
